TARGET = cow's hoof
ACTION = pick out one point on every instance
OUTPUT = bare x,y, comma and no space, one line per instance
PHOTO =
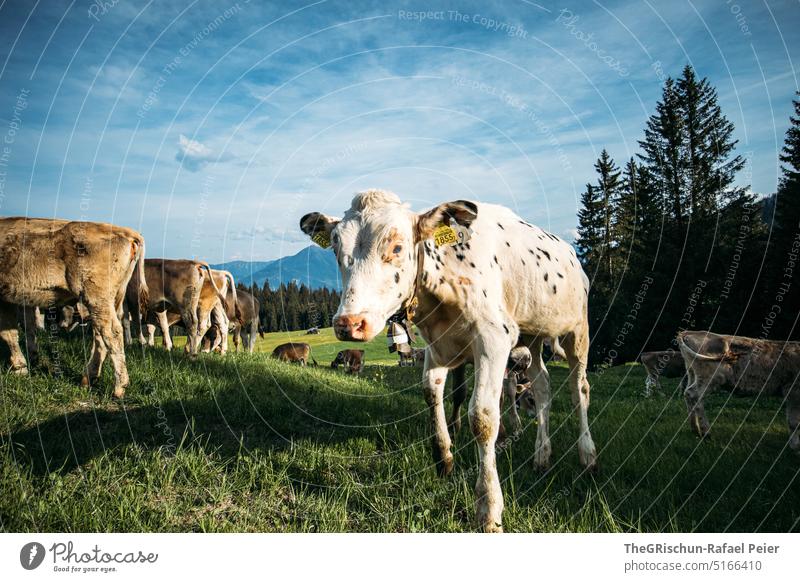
119,393
23,371
542,466
592,468
492,527
85,382
445,466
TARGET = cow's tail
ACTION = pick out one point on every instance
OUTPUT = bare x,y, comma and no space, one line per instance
220,294
236,310
143,292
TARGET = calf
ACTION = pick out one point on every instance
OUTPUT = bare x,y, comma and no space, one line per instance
352,360
294,352
46,263
667,364
742,364
479,276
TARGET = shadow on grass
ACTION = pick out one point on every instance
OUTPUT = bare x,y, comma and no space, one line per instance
230,404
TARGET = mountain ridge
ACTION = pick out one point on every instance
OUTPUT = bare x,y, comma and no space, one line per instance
312,266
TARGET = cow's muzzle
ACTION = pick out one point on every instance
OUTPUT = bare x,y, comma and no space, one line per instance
352,328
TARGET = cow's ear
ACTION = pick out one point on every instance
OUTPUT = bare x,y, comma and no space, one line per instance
318,227
461,212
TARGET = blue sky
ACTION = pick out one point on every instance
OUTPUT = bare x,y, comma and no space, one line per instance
211,127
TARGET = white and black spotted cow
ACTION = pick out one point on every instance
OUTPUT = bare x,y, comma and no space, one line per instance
474,299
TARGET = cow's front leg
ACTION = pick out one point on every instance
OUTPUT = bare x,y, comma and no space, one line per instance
166,336
693,395
490,355
126,326
433,380
9,334
459,396
510,398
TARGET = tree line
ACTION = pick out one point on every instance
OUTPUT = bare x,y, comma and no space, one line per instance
669,242
293,308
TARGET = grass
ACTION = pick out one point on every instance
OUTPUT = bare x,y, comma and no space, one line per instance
246,443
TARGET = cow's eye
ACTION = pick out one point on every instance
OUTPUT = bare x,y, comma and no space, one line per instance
397,249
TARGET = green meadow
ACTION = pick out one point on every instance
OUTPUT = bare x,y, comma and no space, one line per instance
246,443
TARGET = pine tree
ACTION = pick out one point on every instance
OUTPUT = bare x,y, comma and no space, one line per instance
608,183
784,280
590,229
663,136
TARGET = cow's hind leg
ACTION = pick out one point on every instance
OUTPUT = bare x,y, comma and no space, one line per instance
9,333
29,325
96,357
576,345
490,354
459,396
109,338
434,377
540,384
251,340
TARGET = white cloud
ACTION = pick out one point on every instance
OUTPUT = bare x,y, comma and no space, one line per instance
192,154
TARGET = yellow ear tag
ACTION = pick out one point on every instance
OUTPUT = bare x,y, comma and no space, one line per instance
322,238
445,235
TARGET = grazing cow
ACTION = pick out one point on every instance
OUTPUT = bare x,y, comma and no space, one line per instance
667,364
742,364
479,276
313,331
46,263
294,352
176,285
352,360
213,297
245,319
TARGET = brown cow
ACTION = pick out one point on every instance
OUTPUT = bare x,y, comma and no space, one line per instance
213,297
46,263
244,319
294,352
352,360
667,364
746,366
176,285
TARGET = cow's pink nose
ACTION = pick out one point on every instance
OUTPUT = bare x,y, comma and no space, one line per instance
351,327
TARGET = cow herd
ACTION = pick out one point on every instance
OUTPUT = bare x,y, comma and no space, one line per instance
484,287
99,272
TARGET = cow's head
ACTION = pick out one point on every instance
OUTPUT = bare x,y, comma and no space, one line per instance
376,249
